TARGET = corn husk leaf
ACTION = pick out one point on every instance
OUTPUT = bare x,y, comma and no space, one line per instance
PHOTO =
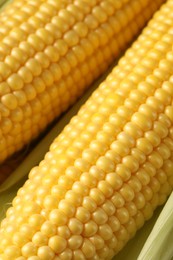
159,243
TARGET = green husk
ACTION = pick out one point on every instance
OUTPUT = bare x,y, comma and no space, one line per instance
3,3
159,243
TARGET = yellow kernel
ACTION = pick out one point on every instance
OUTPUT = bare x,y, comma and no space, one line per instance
36,42
66,208
48,228
106,188
39,239
82,214
97,241
4,70
156,160
118,200
10,101
142,121
88,248
63,231
52,53
99,216
144,145
105,231
77,254
42,59
25,75
81,29
169,112
90,228
12,252
45,253
97,196
105,164
130,162
71,38
57,244
75,226
29,250
57,217
120,148
34,66
75,241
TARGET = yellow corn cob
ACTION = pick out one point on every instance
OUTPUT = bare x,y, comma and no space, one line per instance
50,51
110,167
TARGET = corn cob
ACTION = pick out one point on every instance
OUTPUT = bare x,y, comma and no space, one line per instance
50,51
110,167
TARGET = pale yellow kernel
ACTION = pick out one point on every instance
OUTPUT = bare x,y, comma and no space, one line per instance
12,252
75,241
4,88
36,220
45,36
97,241
29,249
57,217
71,38
87,47
108,207
75,226
63,231
57,244
154,185
27,230
105,188
139,200
19,239
91,21
48,229
81,29
97,196
120,148
144,145
80,189
10,101
82,214
97,173
105,164
169,112
77,254
45,253
90,228
67,208
73,197
142,121
33,258
147,211
25,74
4,70
118,200
105,231
6,125
52,53
34,66
99,216
39,239
15,82
156,160
88,248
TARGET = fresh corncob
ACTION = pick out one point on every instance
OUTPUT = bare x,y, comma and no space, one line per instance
50,51
110,167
